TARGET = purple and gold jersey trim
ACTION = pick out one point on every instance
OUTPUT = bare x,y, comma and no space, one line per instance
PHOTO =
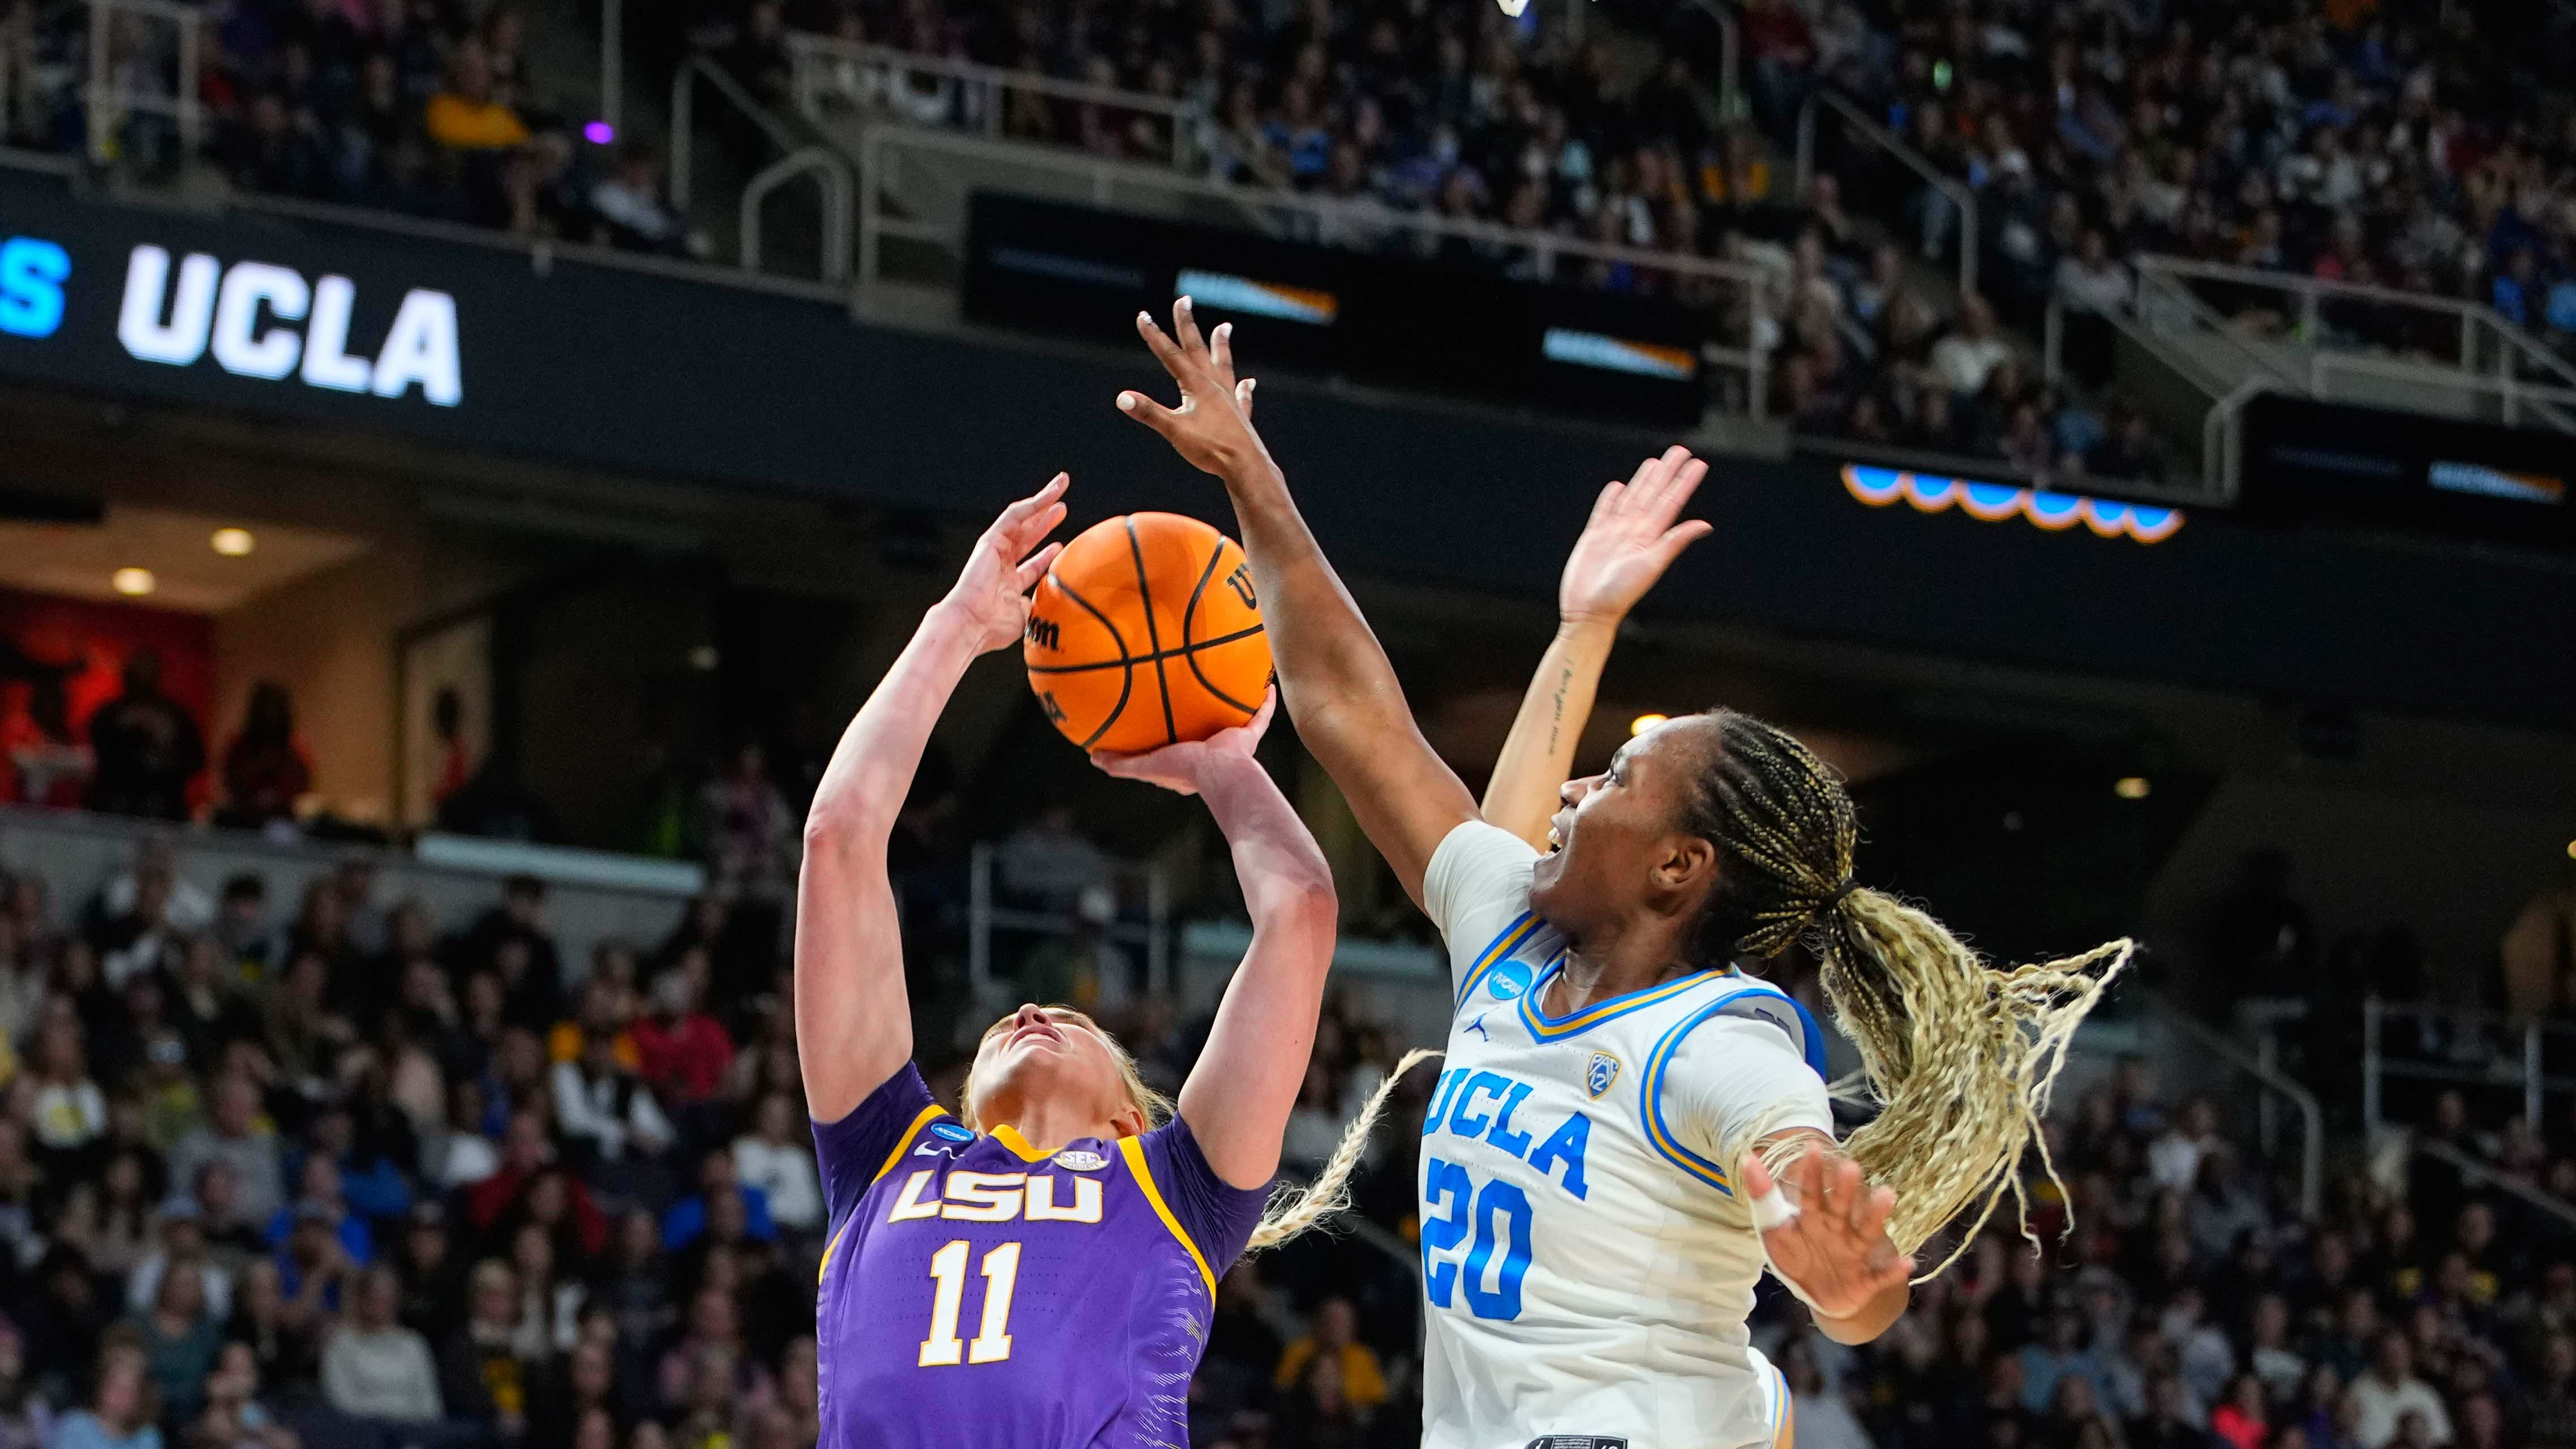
1021,1147
1133,1149
923,1119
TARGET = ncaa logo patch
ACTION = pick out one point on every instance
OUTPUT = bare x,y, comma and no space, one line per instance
1600,1072
1079,1160
1507,979
951,1131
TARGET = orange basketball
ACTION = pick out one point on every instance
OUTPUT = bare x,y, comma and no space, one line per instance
1145,633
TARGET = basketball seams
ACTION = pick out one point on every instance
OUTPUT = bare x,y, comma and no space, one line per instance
1126,679
1153,634
1236,637
1189,651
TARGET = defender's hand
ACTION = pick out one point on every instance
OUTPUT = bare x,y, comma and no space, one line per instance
1631,539
1213,425
1836,1251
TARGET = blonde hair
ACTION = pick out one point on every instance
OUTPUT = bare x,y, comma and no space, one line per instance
1959,1056
1292,1209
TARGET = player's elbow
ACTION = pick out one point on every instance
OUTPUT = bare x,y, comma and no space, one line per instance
1303,908
838,823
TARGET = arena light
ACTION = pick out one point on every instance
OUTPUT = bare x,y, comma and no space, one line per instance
2571,850
133,583
233,542
2132,787
599,133
1645,722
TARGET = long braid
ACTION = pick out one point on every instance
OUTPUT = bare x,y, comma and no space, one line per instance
1292,1210
1959,1056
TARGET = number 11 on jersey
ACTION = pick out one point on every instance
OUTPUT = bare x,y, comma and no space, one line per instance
992,1342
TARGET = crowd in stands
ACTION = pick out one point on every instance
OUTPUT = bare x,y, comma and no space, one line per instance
430,108
2410,146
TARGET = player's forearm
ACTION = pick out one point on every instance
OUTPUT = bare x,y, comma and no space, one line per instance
1875,1317
871,770
1287,884
1333,674
1538,756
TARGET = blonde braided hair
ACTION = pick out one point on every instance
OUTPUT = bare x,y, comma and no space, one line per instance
1960,1057
1292,1209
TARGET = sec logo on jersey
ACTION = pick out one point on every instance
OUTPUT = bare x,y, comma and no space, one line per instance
1080,1160
1507,979
1600,1072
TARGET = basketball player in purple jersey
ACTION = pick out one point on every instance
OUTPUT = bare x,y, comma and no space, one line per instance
1039,1271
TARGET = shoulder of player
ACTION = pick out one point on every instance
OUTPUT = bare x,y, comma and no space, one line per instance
1737,1031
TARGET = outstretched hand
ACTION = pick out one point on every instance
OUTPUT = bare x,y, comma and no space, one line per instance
1836,1251
1631,539
1213,425
992,590
1186,767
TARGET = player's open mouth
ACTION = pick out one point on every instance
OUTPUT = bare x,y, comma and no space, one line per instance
1046,1029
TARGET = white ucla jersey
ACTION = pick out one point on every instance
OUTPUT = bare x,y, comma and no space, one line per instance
1587,1262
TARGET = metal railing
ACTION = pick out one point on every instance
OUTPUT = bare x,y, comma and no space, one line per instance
1107,183
1963,201
2477,1049
2493,359
125,61
2273,1083
2486,1175
832,79
830,172
695,70
1730,47
986,916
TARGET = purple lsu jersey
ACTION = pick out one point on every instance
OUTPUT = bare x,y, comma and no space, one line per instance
977,1292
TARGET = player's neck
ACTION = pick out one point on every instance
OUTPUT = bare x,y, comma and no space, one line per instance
1613,964
1050,1126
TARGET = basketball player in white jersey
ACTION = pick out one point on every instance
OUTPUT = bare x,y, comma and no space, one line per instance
1598,1191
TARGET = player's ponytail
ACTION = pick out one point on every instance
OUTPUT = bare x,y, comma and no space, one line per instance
1959,1056
1293,1209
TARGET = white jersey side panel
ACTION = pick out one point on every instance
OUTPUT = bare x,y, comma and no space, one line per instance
1587,1265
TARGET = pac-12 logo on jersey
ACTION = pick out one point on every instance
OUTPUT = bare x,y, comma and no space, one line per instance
1507,979
1600,1072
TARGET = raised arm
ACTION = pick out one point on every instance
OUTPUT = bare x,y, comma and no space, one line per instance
1333,676
1629,542
1238,1098
853,1025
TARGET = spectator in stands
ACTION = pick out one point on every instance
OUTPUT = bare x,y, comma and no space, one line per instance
147,745
489,1367
179,1339
772,1161
48,764
234,1137
466,115
688,1218
632,210
681,1053
2390,1392
1966,359
266,770
1357,1375
121,1411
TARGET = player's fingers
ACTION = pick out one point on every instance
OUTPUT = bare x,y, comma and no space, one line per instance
1018,535
1149,412
1659,475
1165,350
1811,1176
1243,398
1678,537
1221,350
1035,568
1685,482
1606,503
1020,509
1850,1193
1185,328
